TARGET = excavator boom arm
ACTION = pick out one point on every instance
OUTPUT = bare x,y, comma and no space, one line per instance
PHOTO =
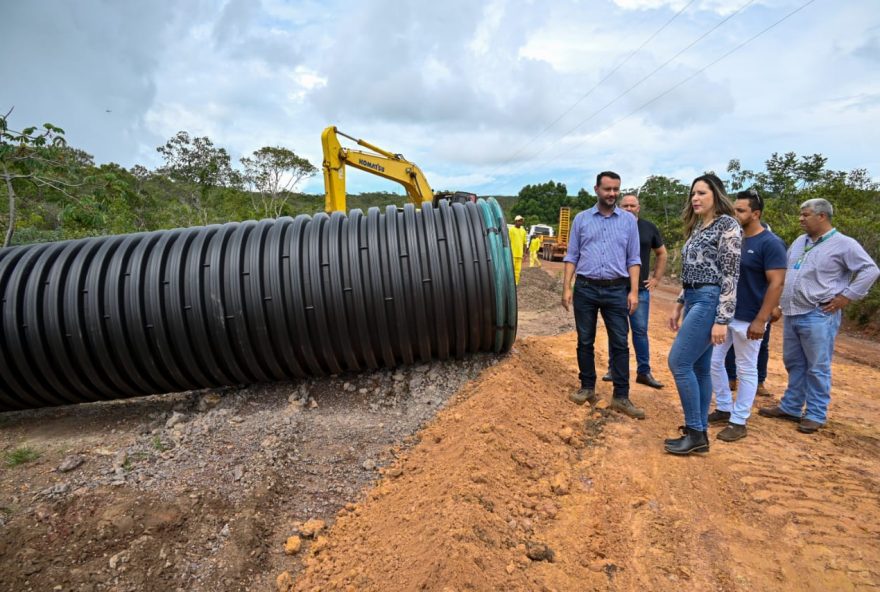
383,163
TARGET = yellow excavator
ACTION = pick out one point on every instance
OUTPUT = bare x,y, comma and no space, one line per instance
378,162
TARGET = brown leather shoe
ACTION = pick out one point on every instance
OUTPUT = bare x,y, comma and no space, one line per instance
776,413
732,433
625,406
584,396
808,426
762,391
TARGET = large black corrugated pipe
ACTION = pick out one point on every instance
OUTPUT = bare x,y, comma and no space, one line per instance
137,314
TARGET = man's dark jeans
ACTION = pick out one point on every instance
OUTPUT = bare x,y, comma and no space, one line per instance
589,301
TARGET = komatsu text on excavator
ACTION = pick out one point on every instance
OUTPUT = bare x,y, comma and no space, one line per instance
378,162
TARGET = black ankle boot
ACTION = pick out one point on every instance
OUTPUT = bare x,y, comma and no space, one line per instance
694,441
682,430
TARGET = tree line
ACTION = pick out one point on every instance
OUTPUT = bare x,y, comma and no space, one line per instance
54,191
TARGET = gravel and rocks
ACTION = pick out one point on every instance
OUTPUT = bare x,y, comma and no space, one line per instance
199,490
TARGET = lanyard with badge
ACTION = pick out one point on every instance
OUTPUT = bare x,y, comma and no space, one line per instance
808,248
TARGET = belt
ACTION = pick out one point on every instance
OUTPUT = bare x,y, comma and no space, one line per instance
624,281
697,286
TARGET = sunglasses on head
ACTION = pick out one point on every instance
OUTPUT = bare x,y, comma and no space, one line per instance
752,194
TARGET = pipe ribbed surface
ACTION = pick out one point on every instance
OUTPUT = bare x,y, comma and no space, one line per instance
240,303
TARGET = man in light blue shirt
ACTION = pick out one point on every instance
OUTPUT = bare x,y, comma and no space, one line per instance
826,271
603,252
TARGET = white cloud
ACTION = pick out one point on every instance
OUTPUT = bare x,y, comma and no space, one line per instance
456,182
488,27
722,7
479,94
84,68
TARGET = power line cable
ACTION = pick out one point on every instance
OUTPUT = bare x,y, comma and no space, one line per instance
595,86
645,78
686,79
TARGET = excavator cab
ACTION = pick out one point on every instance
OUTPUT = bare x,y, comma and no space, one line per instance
454,197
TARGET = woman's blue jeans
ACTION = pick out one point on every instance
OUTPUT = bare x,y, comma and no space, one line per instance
690,359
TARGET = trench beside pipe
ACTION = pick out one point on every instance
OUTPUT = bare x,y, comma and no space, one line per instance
239,303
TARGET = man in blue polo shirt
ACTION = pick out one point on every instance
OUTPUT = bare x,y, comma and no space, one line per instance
761,277
603,251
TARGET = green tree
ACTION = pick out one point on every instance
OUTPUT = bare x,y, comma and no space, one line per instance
117,206
540,203
811,169
662,200
273,173
31,157
198,168
740,178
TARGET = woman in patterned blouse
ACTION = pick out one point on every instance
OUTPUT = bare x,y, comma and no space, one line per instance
709,273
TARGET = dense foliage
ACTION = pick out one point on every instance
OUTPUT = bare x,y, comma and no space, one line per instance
53,191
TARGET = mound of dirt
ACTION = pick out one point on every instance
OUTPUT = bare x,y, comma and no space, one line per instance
538,290
539,297
471,506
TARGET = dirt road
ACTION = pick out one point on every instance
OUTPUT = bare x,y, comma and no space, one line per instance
514,488
508,487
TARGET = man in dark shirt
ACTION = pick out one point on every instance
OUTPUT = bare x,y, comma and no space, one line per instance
603,254
761,277
763,356
650,240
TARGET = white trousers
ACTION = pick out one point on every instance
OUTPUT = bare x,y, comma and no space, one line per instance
746,372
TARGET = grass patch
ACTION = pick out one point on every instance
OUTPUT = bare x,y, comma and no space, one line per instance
20,455
157,443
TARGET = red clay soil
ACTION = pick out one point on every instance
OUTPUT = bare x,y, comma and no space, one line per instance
512,487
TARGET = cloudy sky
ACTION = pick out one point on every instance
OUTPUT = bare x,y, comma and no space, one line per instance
486,96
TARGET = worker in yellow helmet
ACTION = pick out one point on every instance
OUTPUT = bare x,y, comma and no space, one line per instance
534,247
517,246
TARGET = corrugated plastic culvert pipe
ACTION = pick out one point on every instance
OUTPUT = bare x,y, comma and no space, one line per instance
239,303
